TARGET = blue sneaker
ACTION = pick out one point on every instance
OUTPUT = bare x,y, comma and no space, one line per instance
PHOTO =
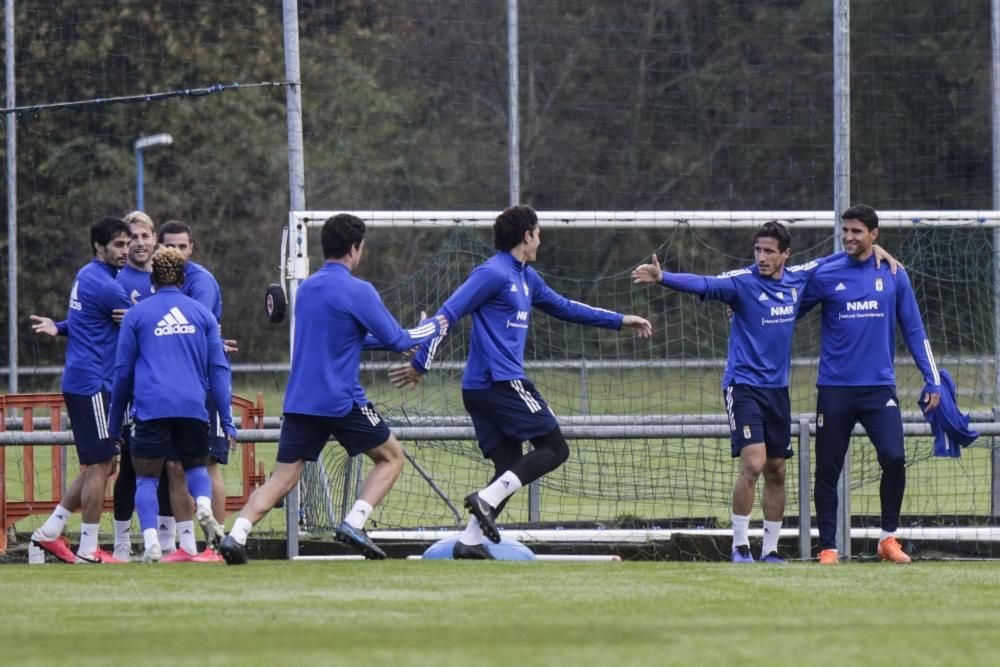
358,538
741,554
773,557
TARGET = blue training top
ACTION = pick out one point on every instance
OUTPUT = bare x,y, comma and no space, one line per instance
333,313
170,355
201,285
90,347
763,323
500,293
861,305
138,284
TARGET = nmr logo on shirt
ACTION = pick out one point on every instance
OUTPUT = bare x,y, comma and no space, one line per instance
172,323
862,305
782,310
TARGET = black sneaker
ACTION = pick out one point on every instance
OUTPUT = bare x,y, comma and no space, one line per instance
232,551
358,539
471,552
481,509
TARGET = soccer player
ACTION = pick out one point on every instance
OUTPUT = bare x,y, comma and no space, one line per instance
86,384
135,278
336,316
201,285
765,301
861,307
169,357
505,407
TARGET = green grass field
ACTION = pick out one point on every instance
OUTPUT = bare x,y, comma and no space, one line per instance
448,613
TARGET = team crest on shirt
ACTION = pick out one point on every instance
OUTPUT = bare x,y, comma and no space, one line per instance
819,420
795,295
746,432
134,296
878,284
525,286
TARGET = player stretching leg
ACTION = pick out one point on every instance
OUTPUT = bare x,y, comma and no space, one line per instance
336,315
168,346
856,383
505,407
86,383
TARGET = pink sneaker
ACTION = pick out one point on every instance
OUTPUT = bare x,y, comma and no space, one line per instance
178,556
99,556
209,555
57,546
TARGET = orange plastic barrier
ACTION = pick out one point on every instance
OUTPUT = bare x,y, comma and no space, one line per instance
247,414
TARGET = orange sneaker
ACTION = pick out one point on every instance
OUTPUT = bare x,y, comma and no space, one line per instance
178,556
890,549
209,555
828,557
99,556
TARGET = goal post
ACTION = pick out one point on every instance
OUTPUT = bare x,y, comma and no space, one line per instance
648,444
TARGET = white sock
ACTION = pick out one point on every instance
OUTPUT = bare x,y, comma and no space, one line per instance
88,538
167,534
151,538
359,514
56,523
186,531
241,529
884,534
741,530
504,486
772,531
123,534
203,502
473,533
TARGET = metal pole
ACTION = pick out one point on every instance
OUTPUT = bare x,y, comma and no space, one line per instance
296,189
513,120
995,115
841,202
140,203
8,29
805,519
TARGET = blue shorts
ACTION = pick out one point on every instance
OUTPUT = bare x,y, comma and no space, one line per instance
218,443
838,409
758,415
88,418
508,410
171,438
304,436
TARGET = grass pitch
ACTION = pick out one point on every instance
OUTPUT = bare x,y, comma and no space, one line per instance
448,613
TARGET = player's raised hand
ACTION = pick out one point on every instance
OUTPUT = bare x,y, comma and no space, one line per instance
648,273
640,325
881,255
43,325
404,376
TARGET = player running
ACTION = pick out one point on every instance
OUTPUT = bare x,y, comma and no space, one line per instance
857,383
169,358
505,407
336,316
86,385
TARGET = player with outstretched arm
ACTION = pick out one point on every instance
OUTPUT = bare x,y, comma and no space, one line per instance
336,316
505,407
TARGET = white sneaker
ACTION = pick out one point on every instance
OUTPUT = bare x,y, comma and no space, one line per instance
123,552
214,531
152,554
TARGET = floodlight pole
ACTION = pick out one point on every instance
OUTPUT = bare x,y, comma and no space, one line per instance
841,202
141,144
12,341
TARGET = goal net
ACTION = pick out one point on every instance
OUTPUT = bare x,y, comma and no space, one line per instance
645,420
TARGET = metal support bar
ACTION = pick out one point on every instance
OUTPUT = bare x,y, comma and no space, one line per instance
805,519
